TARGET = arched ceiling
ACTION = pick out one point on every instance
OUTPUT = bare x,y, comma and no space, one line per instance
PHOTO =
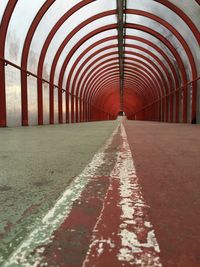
74,45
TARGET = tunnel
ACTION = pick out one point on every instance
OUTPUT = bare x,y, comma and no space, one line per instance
99,133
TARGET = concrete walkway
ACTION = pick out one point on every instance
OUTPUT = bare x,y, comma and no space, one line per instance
36,165
135,204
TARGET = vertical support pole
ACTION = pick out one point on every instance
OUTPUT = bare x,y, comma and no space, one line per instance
77,108
171,107
51,103
67,106
72,109
185,104
3,32
40,101
2,95
194,102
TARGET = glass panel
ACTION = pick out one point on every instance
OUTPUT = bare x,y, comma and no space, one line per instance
191,8
145,61
162,46
54,13
45,103
2,8
91,52
150,49
20,22
13,96
98,62
80,16
82,84
89,42
32,101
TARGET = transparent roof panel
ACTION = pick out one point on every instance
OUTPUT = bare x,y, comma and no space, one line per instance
20,22
81,34
56,12
91,63
83,47
51,17
24,14
91,52
2,8
191,8
173,41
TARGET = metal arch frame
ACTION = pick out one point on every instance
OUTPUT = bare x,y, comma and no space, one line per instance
24,58
144,84
183,16
117,77
136,71
173,71
167,27
66,63
73,50
157,35
138,39
46,45
141,85
188,53
3,32
130,82
106,93
117,81
132,53
101,94
178,11
161,38
96,67
140,71
140,90
145,81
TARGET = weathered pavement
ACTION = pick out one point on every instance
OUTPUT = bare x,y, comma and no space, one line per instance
36,165
101,219
167,159
135,204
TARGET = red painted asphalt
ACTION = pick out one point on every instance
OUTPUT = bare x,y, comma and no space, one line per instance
167,159
109,224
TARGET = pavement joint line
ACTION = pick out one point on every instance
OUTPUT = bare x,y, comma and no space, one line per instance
23,256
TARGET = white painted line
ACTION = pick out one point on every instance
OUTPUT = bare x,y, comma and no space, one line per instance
42,235
139,246
134,210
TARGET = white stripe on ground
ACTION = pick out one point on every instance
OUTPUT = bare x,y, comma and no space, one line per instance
29,253
139,246
134,213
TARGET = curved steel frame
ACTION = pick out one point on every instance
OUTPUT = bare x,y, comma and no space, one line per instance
167,80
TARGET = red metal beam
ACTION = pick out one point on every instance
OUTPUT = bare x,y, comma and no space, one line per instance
3,33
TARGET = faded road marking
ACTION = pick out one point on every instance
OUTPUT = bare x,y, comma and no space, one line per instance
29,253
128,239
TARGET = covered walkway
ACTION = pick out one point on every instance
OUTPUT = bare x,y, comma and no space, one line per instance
99,133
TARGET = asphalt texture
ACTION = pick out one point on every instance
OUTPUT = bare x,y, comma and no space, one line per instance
38,163
167,159
36,166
